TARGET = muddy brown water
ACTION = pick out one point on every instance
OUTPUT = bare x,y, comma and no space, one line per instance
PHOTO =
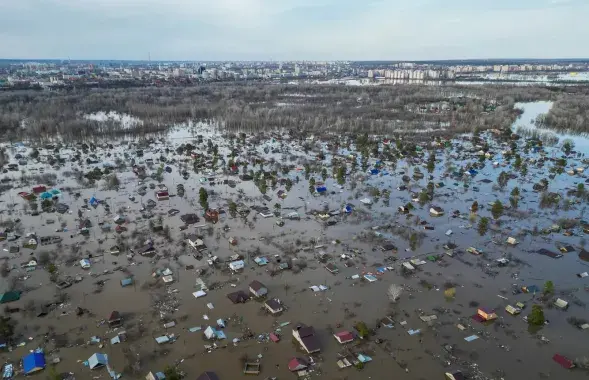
506,349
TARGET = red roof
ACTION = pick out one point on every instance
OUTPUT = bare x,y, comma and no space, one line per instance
296,364
563,361
344,336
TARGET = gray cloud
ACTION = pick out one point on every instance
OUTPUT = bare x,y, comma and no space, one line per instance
292,29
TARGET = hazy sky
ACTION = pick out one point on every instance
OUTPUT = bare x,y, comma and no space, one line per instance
293,29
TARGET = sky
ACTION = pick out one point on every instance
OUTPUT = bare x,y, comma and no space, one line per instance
203,30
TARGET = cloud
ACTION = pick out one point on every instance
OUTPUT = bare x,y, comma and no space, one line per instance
292,29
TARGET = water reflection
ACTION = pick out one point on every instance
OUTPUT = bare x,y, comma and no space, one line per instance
525,125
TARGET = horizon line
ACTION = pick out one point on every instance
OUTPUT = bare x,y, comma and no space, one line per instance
579,59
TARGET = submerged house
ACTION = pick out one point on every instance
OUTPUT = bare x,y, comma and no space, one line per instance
115,319
236,265
297,364
274,306
563,361
195,242
512,310
212,215
436,211
162,195
486,314
306,337
238,297
344,337
97,360
258,289
33,362
208,376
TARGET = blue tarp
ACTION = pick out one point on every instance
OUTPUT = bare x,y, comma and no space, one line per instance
93,201
33,362
261,261
473,172
348,209
374,171
364,358
46,195
321,189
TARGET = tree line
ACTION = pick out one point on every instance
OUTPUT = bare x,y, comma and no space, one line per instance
254,107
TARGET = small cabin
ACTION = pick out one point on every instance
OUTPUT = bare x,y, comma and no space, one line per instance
512,310
162,195
486,314
274,306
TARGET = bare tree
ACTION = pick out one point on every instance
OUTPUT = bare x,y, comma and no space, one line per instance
395,292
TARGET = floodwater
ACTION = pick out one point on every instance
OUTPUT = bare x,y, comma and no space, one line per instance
506,348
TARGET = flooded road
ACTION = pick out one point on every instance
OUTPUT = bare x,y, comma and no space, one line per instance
505,348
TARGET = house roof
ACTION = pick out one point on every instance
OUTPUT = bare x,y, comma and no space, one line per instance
34,361
311,343
257,285
274,304
486,310
238,297
192,237
296,364
9,296
344,336
114,316
97,360
208,376
563,361
305,331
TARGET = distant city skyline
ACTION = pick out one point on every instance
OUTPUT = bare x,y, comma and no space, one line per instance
287,30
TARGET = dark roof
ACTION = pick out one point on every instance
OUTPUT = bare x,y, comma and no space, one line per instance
238,297
208,376
274,304
311,342
256,285
114,316
305,331
192,237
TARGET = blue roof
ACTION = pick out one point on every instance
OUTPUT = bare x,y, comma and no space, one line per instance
46,195
33,362
97,360
321,189
127,281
